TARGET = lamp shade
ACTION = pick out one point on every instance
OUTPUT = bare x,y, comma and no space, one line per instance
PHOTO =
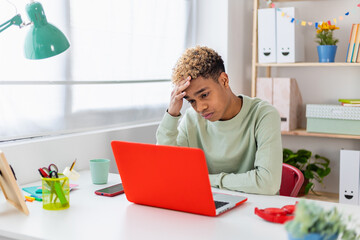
43,39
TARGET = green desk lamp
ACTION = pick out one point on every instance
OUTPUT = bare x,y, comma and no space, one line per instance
43,39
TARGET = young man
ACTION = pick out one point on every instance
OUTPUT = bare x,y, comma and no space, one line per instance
239,135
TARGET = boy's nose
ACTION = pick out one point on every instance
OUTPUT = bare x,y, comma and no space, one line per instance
201,107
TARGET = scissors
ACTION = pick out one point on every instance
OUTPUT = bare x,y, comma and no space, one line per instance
51,171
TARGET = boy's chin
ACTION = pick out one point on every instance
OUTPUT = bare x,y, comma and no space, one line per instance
213,119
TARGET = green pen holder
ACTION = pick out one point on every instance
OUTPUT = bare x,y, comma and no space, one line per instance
56,193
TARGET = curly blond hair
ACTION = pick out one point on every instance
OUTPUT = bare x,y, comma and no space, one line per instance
198,62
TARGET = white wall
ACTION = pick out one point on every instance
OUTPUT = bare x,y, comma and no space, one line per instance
226,26
212,22
239,45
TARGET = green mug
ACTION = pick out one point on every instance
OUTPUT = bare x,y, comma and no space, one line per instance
99,169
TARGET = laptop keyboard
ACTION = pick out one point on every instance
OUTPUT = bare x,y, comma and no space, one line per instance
219,204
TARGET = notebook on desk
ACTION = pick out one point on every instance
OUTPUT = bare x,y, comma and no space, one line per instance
169,177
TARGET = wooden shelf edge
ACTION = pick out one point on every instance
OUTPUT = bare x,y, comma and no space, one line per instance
303,132
322,196
309,64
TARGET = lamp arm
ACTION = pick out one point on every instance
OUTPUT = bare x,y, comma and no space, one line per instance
13,21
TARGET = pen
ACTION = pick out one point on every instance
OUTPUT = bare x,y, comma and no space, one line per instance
30,199
72,165
59,193
43,173
36,198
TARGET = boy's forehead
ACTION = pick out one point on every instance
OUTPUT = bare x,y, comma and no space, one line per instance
199,85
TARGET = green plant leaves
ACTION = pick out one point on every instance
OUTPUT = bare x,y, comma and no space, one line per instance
311,218
308,174
313,167
326,38
304,153
323,172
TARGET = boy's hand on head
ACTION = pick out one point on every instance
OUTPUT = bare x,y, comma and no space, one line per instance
177,95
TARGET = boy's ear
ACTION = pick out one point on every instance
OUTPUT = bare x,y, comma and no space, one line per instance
223,79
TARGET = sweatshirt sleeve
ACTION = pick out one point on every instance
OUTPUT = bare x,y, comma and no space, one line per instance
168,132
265,178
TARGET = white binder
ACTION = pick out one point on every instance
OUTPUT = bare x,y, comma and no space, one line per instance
267,35
349,177
290,40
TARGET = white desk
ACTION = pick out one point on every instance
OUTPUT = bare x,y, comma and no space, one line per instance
96,217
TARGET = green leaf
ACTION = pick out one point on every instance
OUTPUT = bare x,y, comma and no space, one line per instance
322,158
287,152
304,153
326,172
308,187
312,167
302,159
308,174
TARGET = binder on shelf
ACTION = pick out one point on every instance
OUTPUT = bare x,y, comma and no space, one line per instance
264,89
289,37
356,45
349,177
267,35
284,95
288,101
351,45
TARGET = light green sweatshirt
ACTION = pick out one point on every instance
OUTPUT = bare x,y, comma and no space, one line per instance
242,154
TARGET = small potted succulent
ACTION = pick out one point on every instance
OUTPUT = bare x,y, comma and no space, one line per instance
312,222
327,43
314,168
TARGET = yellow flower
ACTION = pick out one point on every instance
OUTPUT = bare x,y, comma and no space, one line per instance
324,26
324,34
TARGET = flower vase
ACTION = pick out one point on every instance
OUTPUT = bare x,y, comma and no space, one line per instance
326,53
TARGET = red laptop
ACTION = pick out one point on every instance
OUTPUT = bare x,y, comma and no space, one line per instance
169,177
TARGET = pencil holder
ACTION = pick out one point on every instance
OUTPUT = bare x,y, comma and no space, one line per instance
56,193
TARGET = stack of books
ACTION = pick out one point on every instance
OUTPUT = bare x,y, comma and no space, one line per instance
353,47
350,102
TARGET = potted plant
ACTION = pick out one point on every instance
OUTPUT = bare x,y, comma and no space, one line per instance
327,43
313,222
314,168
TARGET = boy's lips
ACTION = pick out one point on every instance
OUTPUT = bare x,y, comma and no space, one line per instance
207,115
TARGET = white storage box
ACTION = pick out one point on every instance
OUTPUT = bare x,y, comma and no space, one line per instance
349,177
333,119
267,35
289,37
